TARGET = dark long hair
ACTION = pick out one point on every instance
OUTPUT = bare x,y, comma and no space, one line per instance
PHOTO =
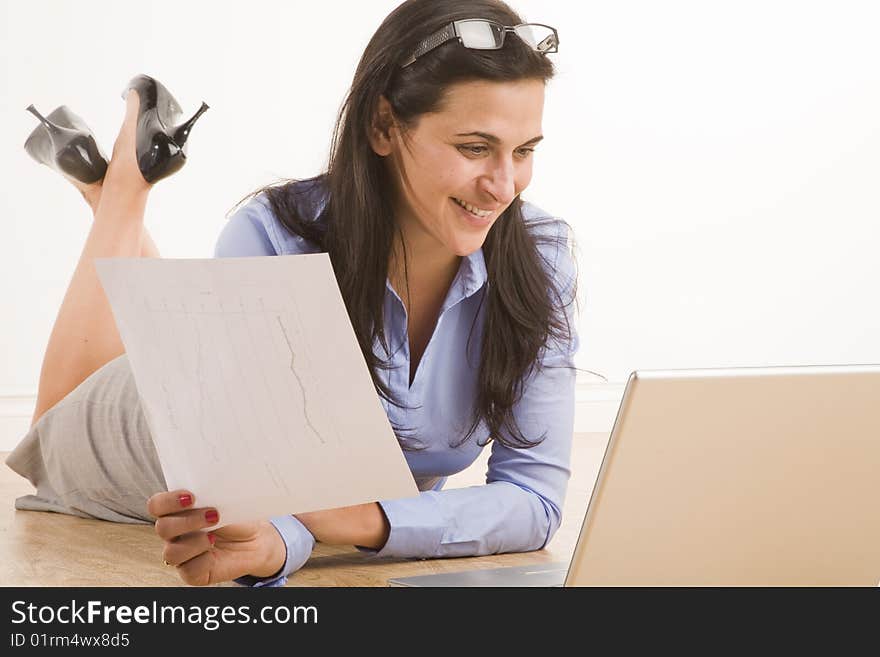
356,227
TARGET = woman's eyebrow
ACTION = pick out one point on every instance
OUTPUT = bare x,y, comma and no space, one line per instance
492,139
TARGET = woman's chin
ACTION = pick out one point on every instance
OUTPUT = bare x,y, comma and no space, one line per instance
468,245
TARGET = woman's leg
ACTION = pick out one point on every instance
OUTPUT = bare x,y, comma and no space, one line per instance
84,336
92,195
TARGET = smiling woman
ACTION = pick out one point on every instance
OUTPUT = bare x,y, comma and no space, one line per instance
460,294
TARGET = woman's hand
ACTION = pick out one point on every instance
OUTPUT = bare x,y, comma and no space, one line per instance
203,558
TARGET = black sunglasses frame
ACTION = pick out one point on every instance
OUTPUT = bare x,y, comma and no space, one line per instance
451,32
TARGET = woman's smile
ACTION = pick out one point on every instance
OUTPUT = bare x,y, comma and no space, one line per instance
481,220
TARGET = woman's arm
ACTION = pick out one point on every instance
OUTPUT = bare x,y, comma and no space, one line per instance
518,509
364,525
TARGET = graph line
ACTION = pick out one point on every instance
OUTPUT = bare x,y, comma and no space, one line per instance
298,380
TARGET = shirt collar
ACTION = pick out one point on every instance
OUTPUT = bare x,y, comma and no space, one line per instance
473,272
471,276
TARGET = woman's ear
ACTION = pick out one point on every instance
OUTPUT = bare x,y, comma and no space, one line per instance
381,128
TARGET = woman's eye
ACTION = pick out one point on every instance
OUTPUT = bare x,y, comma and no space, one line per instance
473,150
481,150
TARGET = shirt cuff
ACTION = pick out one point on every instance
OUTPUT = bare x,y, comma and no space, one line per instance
299,543
417,526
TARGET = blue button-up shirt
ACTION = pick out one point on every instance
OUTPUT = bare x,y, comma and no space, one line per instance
520,506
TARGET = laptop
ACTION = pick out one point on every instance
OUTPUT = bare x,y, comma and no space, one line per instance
728,477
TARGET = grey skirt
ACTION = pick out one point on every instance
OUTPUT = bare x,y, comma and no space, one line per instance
92,455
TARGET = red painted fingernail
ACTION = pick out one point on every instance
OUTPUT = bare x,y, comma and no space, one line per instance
212,516
212,538
185,500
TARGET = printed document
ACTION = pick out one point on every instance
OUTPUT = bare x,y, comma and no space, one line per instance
253,385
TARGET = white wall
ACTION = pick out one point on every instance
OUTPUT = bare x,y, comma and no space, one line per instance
725,178
719,161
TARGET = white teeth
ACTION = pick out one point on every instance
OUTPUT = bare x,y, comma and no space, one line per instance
472,209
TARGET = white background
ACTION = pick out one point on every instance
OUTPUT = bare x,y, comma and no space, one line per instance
718,160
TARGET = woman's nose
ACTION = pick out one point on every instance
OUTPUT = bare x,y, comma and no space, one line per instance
499,181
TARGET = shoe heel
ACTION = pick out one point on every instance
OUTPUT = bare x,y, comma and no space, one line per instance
180,135
55,130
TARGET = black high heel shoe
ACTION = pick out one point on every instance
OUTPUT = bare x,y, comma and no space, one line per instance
65,143
161,145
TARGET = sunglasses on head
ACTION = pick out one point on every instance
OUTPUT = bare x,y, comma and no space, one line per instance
480,34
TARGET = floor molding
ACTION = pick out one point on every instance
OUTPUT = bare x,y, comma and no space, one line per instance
596,406
16,410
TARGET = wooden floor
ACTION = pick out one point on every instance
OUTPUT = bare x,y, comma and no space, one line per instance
49,549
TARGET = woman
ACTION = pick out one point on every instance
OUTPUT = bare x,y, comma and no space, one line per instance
460,293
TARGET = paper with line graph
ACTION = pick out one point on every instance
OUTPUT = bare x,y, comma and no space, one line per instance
253,385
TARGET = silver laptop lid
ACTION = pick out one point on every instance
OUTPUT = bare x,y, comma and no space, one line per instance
747,476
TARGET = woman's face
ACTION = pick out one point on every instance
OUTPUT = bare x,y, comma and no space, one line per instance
476,150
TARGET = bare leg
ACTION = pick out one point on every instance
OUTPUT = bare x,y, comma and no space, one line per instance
148,246
92,196
84,336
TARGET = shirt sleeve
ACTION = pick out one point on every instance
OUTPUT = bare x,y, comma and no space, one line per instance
245,234
520,506
299,543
